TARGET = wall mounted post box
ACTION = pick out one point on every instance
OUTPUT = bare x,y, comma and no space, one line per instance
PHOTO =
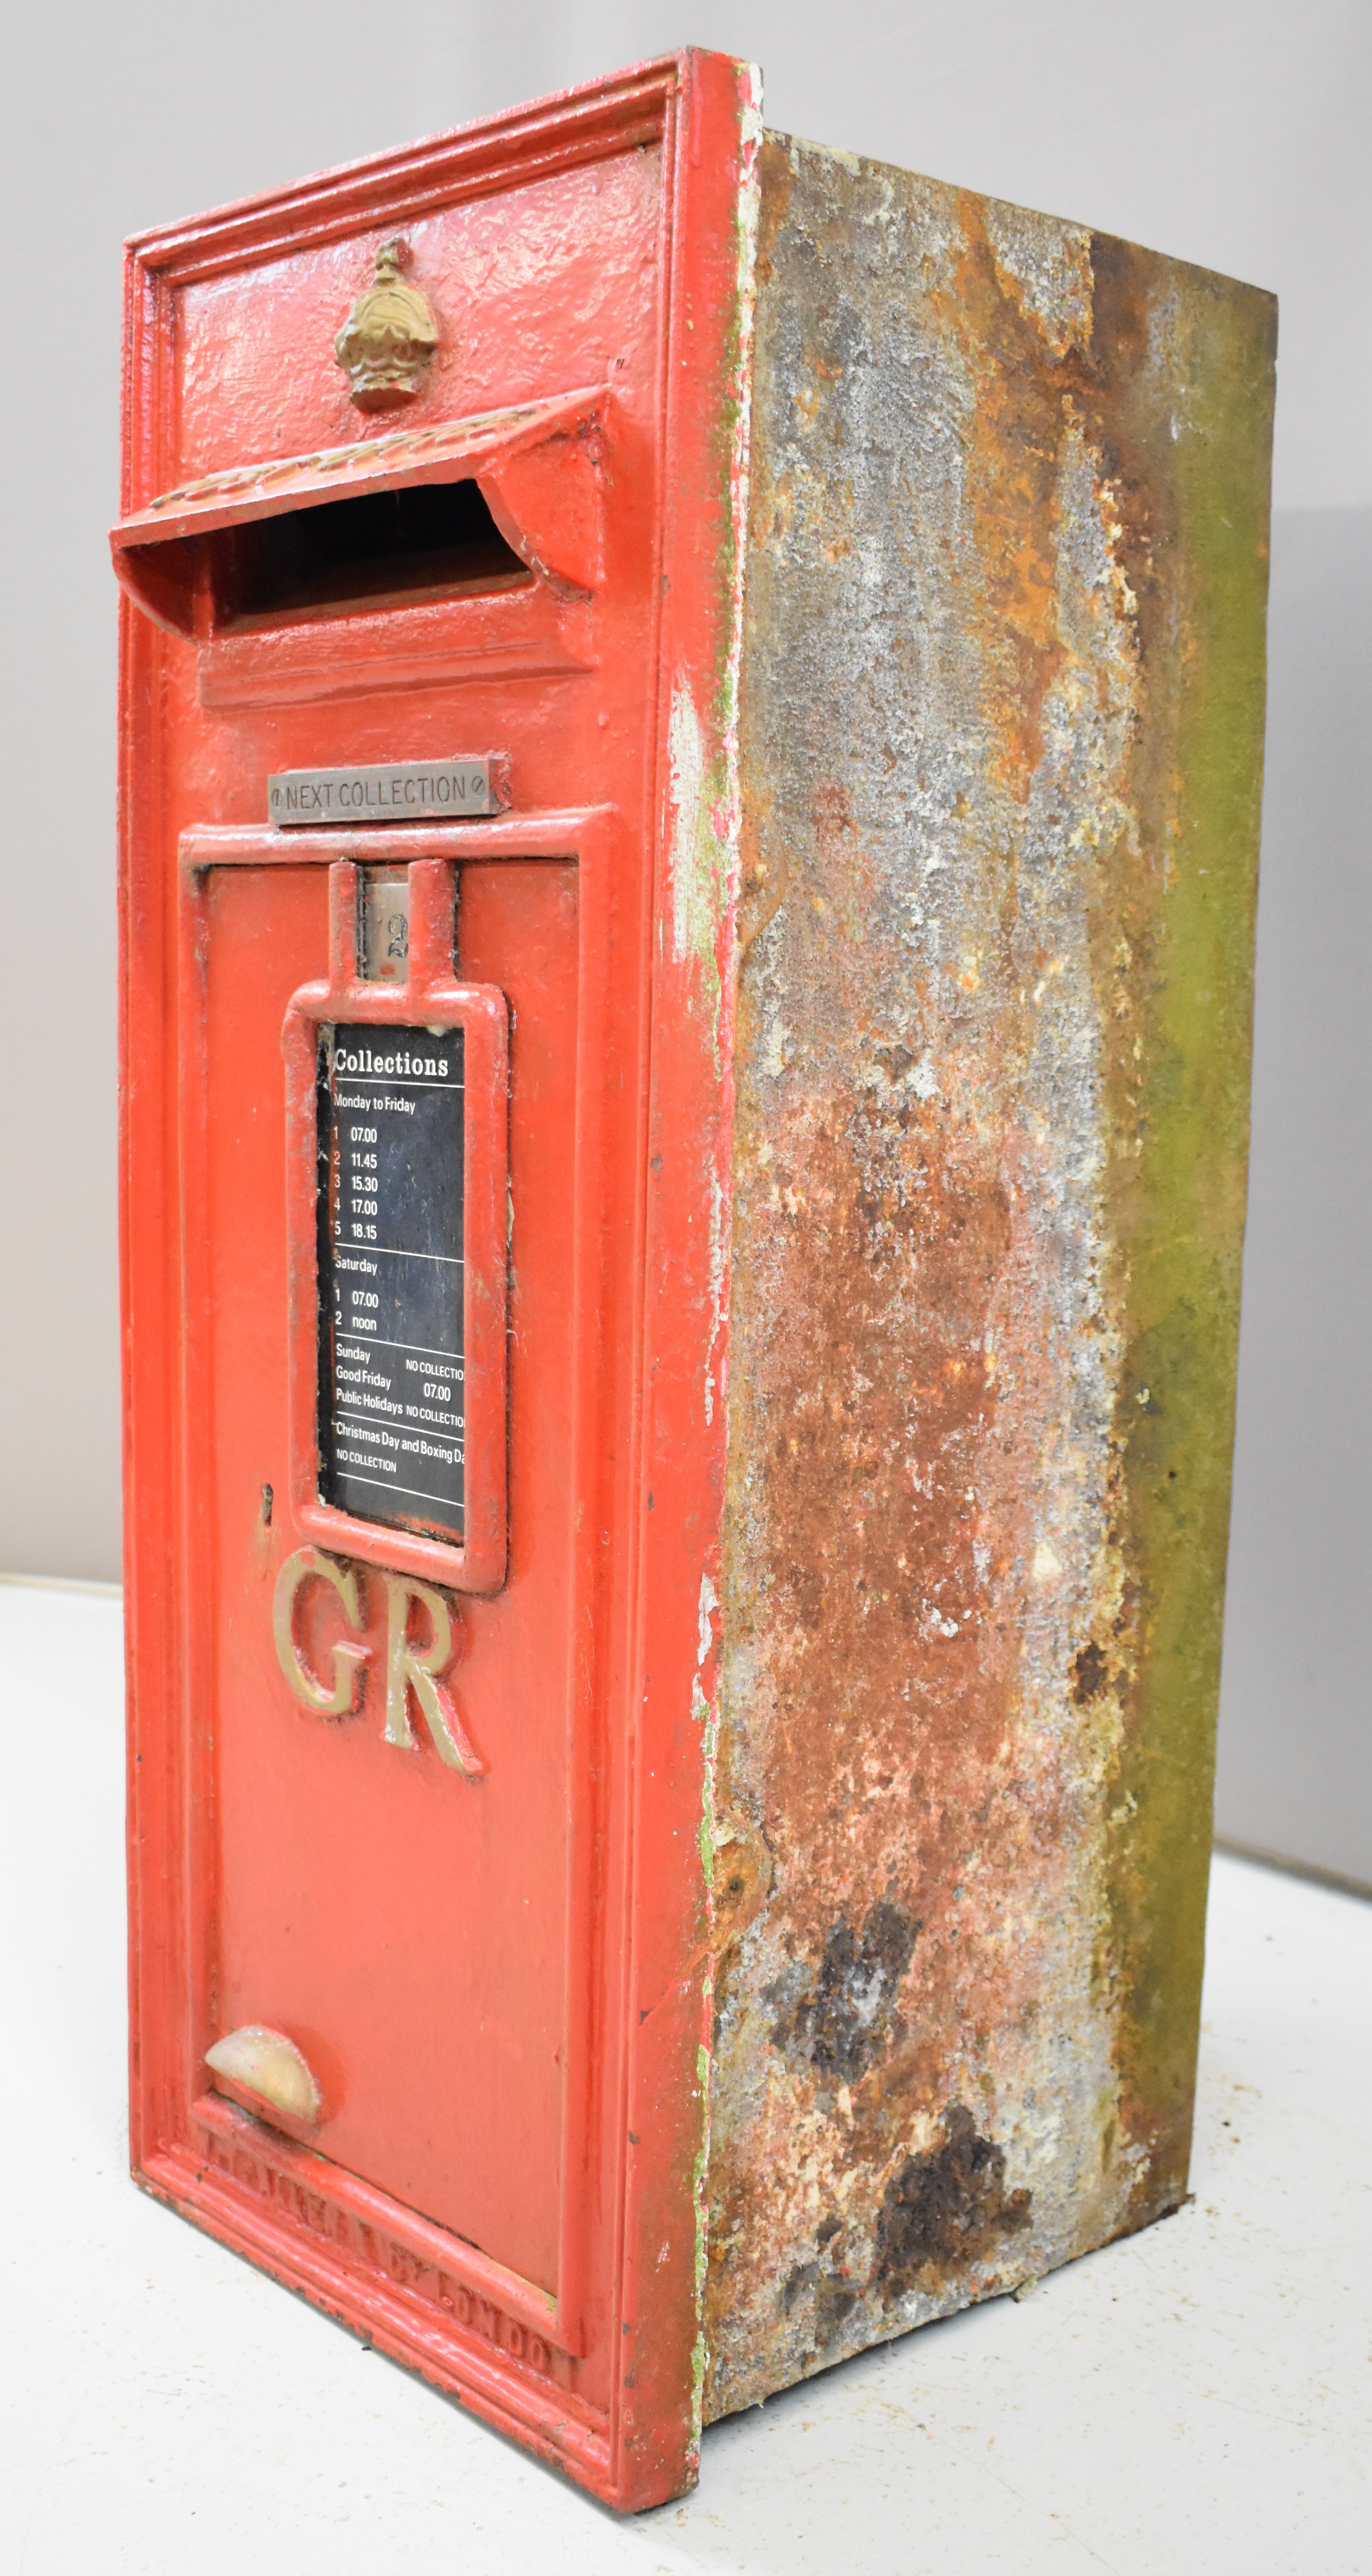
692,714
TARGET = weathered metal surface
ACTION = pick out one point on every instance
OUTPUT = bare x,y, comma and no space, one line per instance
1000,748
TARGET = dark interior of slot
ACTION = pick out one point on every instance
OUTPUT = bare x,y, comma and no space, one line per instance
372,550
430,537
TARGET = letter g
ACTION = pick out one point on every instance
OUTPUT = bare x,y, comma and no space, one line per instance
340,1698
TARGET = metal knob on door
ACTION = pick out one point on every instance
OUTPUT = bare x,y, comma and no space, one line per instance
266,2066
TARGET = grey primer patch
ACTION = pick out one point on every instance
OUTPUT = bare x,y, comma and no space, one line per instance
849,2016
832,2296
947,2209
797,2282
833,2302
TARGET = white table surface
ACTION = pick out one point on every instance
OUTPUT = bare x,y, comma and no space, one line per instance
1199,2397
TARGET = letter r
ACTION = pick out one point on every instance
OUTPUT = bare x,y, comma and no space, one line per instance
410,1667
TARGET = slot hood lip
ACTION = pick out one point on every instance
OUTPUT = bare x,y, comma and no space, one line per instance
268,487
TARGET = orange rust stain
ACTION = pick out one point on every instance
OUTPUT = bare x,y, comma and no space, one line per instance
1024,400
1013,452
897,1760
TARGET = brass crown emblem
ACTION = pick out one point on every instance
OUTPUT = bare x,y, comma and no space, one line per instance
389,338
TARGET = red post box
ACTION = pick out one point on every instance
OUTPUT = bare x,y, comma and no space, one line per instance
691,716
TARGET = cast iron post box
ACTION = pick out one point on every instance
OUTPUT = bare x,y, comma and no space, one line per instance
692,714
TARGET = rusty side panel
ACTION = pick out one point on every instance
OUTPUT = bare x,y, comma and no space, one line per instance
1000,744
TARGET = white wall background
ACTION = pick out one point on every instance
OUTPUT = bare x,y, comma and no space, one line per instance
1236,133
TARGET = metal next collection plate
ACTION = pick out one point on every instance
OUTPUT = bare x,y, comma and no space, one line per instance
405,791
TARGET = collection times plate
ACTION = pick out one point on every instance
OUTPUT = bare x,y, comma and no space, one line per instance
391,1425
